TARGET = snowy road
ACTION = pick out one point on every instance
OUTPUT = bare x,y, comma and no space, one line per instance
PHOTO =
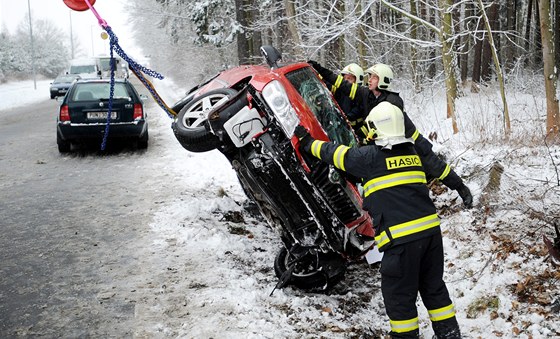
75,228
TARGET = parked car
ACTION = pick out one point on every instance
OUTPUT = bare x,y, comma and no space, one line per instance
83,113
249,114
61,84
85,68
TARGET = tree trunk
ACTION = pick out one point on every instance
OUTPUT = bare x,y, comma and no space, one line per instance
413,49
256,41
510,50
430,16
528,26
360,46
464,60
538,36
477,59
557,32
488,23
243,49
485,70
550,72
292,27
448,63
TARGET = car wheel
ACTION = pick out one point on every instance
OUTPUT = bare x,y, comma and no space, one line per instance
52,96
63,145
309,275
143,141
190,124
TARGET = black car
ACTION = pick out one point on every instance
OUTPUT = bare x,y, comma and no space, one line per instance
61,84
83,114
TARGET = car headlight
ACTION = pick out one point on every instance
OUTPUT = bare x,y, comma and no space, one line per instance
54,89
275,96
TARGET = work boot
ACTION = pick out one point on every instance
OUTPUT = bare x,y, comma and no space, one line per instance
447,329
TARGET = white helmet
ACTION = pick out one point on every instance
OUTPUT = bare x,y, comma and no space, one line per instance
385,74
386,121
356,71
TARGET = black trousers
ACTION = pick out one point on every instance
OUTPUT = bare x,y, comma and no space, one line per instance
409,269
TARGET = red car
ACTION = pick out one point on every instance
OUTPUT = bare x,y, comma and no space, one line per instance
249,113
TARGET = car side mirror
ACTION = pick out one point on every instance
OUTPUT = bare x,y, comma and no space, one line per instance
271,55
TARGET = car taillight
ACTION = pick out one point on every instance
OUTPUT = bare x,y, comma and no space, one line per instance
64,113
138,112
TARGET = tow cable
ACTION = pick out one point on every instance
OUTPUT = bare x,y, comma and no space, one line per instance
137,69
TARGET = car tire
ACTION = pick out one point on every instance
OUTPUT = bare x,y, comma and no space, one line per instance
143,141
52,96
190,125
63,145
314,280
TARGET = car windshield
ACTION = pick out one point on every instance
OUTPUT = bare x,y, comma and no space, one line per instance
321,103
100,91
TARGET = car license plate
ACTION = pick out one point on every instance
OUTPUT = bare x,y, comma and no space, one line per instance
101,115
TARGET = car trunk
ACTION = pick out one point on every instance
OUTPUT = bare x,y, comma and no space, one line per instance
95,111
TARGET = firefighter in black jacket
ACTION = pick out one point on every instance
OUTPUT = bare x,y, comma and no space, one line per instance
407,227
354,75
379,90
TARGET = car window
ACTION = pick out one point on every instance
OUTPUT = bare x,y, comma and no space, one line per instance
82,69
321,103
100,91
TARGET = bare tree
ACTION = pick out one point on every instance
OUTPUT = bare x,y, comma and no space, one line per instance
550,71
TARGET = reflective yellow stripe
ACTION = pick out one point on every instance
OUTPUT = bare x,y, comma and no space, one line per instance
407,228
445,172
401,326
442,313
316,148
392,180
415,135
333,89
338,157
353,91
338,81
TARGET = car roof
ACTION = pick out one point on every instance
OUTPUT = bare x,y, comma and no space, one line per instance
101,81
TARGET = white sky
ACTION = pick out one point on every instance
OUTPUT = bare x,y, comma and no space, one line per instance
84,24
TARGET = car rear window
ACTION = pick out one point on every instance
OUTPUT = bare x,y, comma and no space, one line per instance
82,69
100,91
321,103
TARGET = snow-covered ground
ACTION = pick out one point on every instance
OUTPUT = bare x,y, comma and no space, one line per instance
220,271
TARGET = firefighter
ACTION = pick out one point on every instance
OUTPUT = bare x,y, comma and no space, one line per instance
407,227
354,75
379,90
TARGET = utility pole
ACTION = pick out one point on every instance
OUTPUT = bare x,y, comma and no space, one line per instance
32,50
71,36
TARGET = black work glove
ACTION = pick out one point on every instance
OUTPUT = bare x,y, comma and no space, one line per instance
465,194
303,135
314,64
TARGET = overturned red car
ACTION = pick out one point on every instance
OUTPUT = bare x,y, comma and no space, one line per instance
249,114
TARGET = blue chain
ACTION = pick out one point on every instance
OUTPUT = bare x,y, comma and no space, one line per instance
137,69
111,95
